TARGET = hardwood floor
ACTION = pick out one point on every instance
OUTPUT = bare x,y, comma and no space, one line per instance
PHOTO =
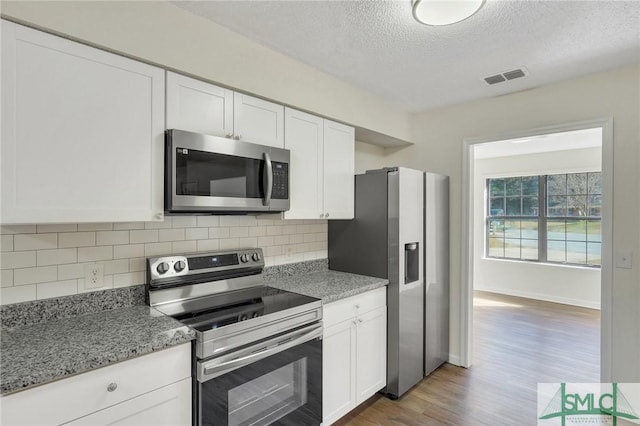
518,343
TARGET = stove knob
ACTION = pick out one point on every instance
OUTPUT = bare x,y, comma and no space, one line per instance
244,317
162,268
255,257
255,315
244,258
179,266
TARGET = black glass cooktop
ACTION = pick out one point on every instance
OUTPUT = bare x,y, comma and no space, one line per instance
242,305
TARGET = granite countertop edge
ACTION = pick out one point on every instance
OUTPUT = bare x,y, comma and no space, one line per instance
167,333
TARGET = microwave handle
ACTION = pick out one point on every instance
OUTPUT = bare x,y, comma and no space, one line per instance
268,169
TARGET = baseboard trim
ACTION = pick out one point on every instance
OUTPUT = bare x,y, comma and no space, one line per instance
544,297
455,360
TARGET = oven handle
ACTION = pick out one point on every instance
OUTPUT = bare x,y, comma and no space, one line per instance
212,369
269,180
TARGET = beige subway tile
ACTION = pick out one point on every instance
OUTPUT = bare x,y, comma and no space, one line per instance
138,264
184,222
281,240
272,251
128,280
107,283
22,259
208,245
95,227
310,255
302,229
6,242
17,229
229,243
315,228
71,271
309,238
93,254
164,224
6,278
228,221
265,241
146,236
296,238
112,238
128,251
157,249
177,234
128,226
274,230
180,247
76,239
249,242
56,289
264,222
248,220
115,266
321,236
257,231
22,293
323,254
35,275
219,233
196,233
35,241
238,232
62,227
208,221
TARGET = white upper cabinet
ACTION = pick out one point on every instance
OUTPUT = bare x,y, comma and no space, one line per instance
201,107
82,132
258,121
322,167
339,169
304,138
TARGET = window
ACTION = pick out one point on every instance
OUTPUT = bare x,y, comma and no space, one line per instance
548,218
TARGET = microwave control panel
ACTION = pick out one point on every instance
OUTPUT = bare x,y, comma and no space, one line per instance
280,190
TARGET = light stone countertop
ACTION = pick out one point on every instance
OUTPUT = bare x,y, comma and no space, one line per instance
40,353
327,285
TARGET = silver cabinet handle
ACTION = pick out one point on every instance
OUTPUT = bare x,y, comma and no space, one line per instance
360,320
268,171
112,387
237,137
357,306
326,215
228,135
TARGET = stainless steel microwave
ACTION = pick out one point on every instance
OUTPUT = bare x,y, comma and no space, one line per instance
211,174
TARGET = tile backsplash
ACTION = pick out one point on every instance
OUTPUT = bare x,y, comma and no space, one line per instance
44,261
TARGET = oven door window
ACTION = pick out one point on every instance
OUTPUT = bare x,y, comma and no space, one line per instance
218,175
283,389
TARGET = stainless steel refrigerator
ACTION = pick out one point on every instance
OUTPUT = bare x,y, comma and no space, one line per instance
393,209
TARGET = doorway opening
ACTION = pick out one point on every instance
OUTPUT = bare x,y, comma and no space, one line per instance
525,234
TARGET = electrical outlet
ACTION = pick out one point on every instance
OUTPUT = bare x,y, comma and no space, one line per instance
624,259
93,275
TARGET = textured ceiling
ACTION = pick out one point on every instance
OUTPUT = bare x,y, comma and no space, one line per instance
377,46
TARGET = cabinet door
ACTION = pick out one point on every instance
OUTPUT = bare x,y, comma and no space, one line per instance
167,406
338,371
371,359
82,132
339,146
304,138
258,121
199,107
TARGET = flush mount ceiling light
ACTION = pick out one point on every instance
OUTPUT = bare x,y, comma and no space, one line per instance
444,12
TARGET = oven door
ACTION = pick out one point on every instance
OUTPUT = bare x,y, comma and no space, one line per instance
210,173
278,381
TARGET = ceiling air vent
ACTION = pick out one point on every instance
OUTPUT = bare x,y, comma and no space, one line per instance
507,75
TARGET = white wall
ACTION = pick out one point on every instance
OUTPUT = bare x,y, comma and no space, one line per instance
439,136
169,36
556,283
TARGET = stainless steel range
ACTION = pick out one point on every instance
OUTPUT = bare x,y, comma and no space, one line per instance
257,357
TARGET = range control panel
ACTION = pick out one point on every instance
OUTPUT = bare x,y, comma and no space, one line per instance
184,265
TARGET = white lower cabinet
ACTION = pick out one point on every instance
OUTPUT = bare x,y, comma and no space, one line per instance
354,352
153,389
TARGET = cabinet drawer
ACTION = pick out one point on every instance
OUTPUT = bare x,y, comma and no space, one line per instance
86,393
350,307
